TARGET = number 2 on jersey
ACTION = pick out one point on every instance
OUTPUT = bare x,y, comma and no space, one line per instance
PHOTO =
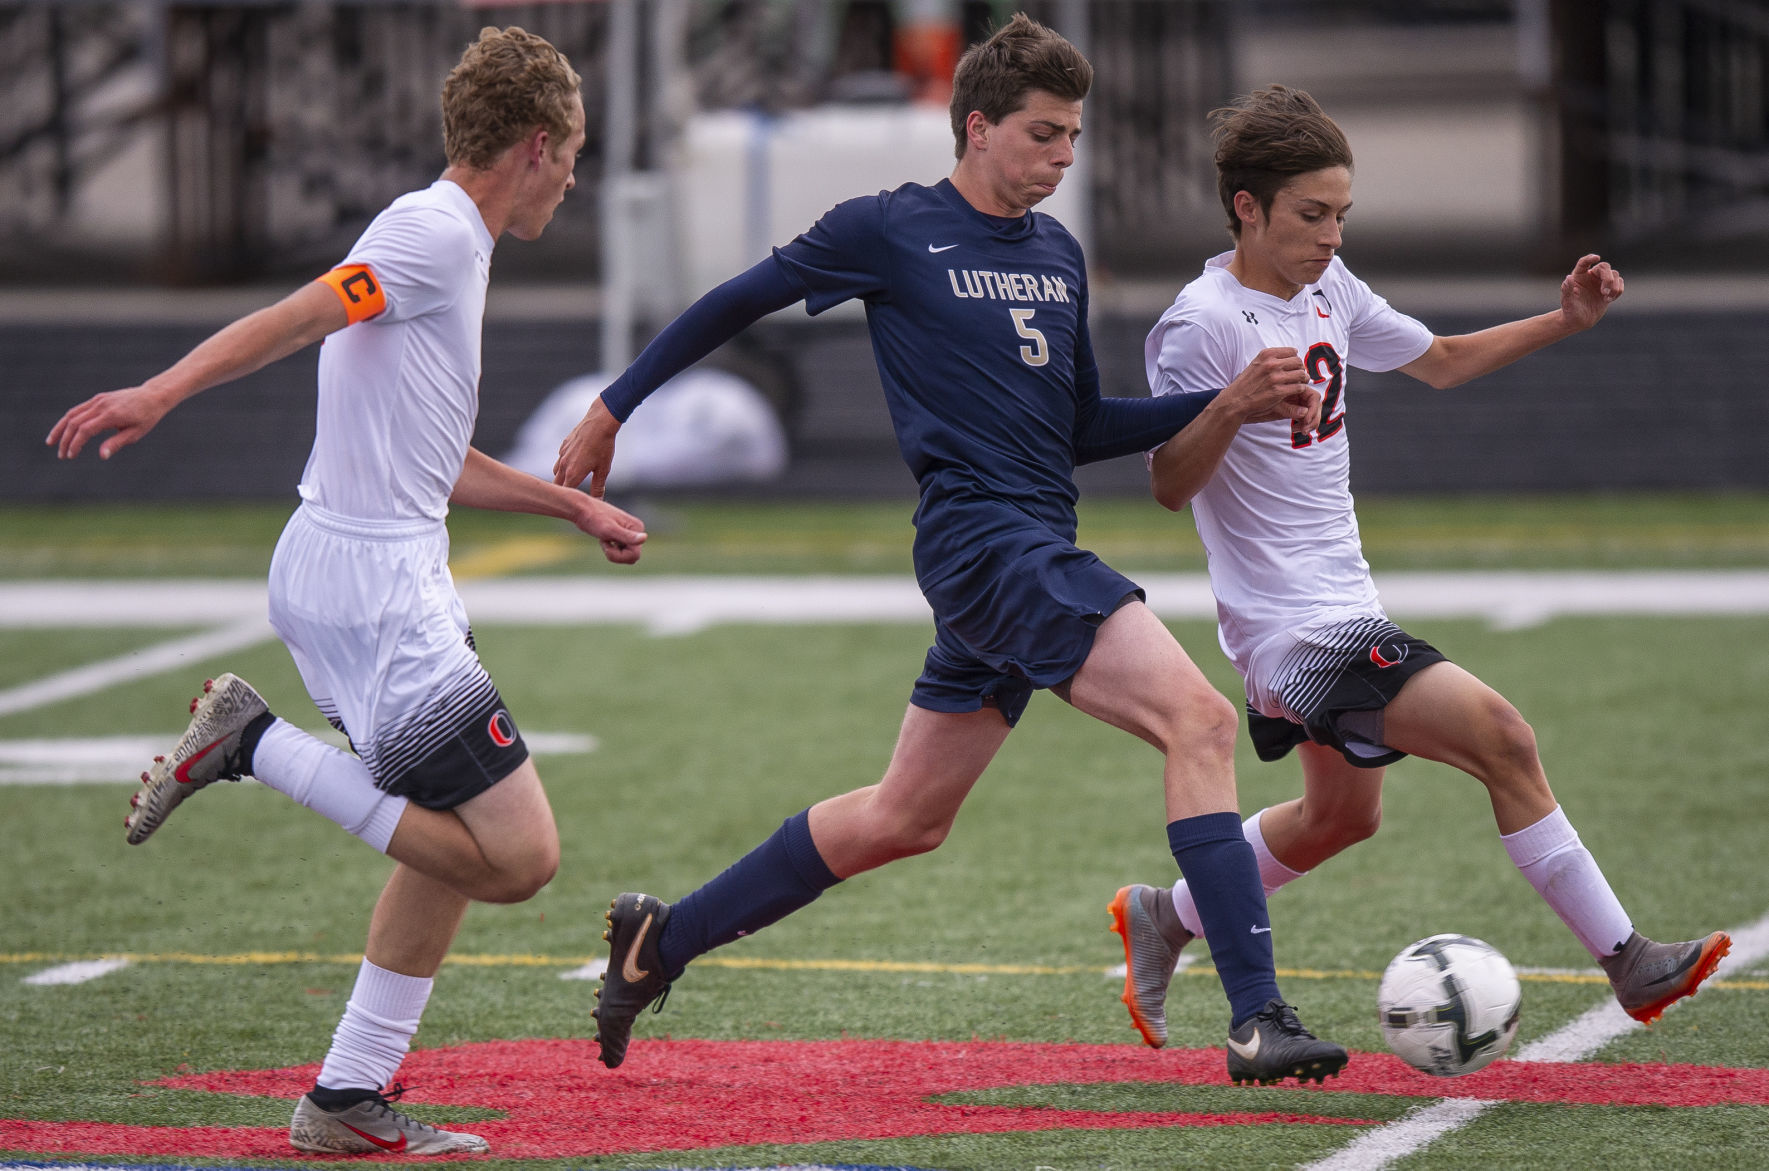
1038,353
1323,365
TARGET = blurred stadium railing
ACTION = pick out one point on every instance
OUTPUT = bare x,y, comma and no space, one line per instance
193,142
164,166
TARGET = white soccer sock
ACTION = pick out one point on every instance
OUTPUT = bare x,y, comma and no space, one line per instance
329,781
376,1031
1272,875
1563,872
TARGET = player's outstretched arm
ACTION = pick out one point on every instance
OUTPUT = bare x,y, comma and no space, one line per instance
705,325
252,342
1273,386
1585,296
486,483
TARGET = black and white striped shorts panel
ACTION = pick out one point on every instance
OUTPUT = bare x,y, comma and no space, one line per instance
1333,685
452,748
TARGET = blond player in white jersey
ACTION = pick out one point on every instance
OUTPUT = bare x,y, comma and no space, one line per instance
1326,672
359,587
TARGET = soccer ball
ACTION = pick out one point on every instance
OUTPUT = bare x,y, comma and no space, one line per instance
1449,1005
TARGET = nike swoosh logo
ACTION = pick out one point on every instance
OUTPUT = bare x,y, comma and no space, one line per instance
1678,970
1248,1050
388,1144
629,971
182,772
942,248
1261,931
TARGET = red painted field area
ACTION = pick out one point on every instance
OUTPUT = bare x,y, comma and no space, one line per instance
558,1101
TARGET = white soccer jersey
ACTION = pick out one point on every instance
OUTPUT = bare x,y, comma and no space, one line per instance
1276,520
399,393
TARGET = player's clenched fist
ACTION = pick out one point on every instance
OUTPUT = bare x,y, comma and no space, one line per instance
620,533
1275,386
1588,291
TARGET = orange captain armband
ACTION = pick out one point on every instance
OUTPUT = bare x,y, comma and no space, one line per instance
357,287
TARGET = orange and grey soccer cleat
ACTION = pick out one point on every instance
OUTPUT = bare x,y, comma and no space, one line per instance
373,1127
1273,1045
1649,977
635,977
209,751
1149,959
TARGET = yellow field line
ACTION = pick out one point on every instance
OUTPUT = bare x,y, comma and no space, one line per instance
515,553
763,964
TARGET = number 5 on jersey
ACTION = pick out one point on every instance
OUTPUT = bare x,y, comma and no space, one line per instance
1038,353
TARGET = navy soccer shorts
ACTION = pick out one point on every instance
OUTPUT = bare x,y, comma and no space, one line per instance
1014,618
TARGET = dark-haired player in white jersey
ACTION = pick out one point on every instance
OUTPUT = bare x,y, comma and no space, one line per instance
360,589
1326,673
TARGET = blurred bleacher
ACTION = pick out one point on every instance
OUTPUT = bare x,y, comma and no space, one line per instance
166,167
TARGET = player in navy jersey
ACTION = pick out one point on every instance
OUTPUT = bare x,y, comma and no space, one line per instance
1326,672
978,313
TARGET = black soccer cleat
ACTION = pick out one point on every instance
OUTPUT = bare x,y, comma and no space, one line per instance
635,976
1273,1045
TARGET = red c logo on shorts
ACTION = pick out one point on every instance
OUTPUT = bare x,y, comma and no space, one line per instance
1378,658
500,729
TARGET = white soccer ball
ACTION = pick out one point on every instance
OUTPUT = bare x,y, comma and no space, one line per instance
1449,1005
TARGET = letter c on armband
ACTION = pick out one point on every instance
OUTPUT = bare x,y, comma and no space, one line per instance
358,289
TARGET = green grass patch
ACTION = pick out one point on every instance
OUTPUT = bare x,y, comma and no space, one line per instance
1619,531
1650,730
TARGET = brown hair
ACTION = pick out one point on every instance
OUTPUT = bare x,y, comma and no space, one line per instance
994,76
508,83
1268,138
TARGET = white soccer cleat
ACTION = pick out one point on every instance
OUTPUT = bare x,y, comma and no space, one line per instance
208,751
374,1127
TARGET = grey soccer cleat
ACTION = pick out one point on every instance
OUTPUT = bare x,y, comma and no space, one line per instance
635,977
1149,959
1649,977
209,751
374,1127
1272,1045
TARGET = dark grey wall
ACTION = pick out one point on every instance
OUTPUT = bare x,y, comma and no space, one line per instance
1646,400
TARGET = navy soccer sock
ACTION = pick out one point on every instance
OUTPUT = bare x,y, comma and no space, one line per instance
767,884
1223,875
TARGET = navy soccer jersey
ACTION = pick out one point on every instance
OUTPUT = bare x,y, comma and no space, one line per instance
979,329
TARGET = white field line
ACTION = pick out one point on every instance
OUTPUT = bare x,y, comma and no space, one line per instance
110,759
137,664
1185,960
673,604
1413,1131
78,972
590,971
681,605
1574,1041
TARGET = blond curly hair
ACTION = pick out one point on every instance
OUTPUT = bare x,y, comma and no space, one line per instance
508,82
